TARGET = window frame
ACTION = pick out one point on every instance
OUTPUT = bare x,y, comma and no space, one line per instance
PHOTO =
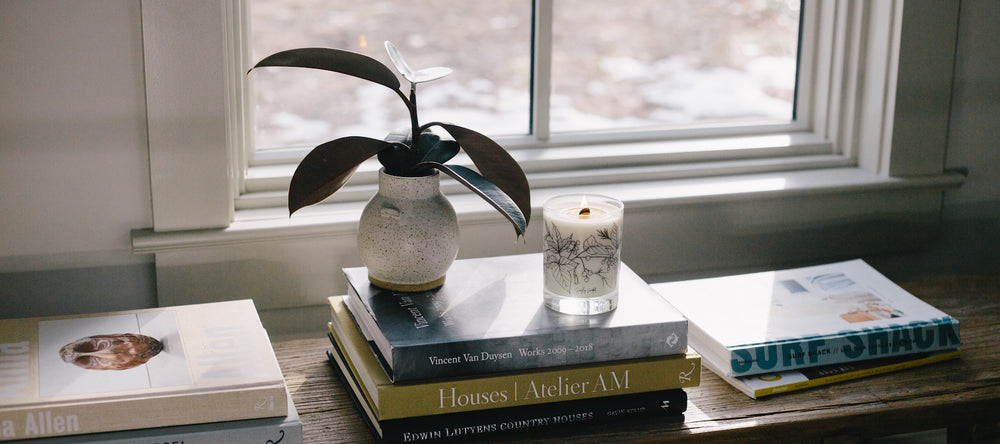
199,120
877,110
268,171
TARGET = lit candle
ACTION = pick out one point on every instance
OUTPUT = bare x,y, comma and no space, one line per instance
582,246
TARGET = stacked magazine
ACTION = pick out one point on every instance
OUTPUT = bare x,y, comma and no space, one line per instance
201,373
482,355
779,331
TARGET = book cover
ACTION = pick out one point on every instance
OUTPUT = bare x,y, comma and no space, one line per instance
805,317
508,389
767,384
490,316
467,425
281,429
136,369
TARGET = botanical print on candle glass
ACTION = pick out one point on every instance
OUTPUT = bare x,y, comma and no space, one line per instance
569,260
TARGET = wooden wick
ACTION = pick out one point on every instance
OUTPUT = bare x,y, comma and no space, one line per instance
585,212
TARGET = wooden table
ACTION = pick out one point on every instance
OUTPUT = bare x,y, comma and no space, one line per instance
962,396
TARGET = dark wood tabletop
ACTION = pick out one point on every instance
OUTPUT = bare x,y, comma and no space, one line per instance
960,395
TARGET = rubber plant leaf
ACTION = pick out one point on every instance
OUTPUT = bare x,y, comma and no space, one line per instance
398,159
327,167
488,191
442,151
336,60
414,76
494,163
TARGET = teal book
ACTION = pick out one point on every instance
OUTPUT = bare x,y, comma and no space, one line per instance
489,316
836,313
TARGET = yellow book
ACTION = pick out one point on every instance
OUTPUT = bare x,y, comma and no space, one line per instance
507,389
136,369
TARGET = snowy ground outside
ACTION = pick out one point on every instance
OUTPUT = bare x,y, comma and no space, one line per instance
632,63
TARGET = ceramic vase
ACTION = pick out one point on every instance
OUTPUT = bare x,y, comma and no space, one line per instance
408,233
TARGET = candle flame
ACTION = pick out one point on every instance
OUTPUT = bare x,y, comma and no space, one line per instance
584,208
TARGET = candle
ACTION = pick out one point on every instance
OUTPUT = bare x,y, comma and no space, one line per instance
582,249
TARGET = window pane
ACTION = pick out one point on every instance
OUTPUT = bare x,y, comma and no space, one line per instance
676,62
488,44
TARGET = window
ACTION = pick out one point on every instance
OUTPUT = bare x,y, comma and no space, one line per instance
554,88
858,171
651,64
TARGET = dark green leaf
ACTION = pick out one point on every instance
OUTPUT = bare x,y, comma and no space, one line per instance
327,167
336,60
442,151
488,191
494,163
398,160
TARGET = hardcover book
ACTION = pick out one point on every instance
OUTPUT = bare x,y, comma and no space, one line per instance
490,316
136,369
281,429
466,425
507,389
805,317
766,384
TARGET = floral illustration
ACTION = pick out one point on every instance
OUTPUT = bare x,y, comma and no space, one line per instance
571,262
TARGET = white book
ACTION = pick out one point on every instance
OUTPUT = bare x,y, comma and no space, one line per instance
277,430
159,367
804,317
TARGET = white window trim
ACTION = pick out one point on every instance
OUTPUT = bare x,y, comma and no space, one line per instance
197,121
882,129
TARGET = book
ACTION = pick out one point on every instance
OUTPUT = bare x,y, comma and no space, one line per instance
67,375
805,317
507,389
767,384
281,429
479,423
490,316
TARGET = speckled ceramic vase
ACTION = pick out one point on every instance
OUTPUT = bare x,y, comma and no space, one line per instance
408,233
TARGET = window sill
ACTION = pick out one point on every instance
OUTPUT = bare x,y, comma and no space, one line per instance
273,224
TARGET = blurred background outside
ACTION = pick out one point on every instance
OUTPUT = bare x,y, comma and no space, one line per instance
631,64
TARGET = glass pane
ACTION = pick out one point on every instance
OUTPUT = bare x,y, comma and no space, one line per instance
675,62
488,44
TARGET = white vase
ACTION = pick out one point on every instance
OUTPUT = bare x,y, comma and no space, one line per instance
408,233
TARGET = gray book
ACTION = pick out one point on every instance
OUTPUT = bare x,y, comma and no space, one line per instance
489,316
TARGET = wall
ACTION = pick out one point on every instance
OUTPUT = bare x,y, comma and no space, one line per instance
74,172
75,177
970,236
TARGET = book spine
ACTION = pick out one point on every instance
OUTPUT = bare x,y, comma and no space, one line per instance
537,387
272,430
567,347
938,334
854,374
670,403
484,423
142,412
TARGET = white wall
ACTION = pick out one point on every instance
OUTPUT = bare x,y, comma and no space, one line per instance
970,236
74,168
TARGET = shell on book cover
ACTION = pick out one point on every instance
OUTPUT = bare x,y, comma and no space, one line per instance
111,352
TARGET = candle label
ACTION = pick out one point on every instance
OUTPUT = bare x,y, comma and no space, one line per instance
582,267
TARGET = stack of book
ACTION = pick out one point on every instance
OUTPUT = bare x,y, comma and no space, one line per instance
482,354
201,373
779,331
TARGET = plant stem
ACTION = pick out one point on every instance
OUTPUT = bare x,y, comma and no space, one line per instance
414,125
